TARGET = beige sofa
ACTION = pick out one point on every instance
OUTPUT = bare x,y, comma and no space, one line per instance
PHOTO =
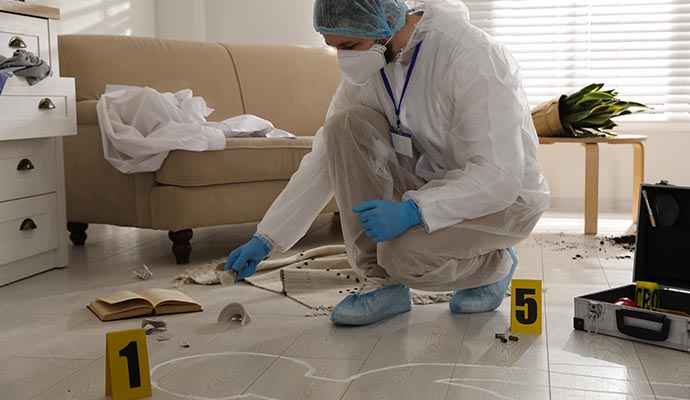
290,86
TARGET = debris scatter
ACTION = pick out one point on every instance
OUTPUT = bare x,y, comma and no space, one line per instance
626,242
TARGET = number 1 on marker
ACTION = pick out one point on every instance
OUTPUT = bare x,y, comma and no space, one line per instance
525,306
132,354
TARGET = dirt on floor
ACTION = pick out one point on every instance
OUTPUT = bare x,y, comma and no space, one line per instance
625,242
607,245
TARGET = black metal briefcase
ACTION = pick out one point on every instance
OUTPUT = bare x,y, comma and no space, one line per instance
661,256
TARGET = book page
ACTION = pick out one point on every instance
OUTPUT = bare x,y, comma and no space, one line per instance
158,296
121,296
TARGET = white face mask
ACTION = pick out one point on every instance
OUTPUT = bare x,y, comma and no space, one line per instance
359,66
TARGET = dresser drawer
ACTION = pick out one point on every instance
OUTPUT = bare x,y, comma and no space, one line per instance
27,168
28,227
45,109
31,33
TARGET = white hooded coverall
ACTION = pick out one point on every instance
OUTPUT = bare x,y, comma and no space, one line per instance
479,186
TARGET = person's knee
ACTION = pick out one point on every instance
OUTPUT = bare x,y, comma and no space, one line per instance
353,124
396,257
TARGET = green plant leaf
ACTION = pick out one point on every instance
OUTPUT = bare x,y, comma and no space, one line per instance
576,117
598,95
587,89
590,110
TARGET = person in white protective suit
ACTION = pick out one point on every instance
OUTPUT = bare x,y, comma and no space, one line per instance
430,150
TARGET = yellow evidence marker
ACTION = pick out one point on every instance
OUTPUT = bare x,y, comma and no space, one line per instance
525,306
127,365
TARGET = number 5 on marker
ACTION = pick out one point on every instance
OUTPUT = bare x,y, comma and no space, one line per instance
127,365
525,306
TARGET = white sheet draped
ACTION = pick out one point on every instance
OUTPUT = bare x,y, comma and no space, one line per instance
140,126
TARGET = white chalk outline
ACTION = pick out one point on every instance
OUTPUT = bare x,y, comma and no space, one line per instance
311,375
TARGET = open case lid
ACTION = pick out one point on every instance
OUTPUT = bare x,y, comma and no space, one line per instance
662,252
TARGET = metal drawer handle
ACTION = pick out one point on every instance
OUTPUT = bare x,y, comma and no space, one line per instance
25,165
28,225
17,43
46,104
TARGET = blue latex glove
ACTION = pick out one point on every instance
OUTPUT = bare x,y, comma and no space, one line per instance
384,220
245,258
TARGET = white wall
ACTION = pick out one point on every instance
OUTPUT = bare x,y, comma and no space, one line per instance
286,22
110,17
181,19
262,21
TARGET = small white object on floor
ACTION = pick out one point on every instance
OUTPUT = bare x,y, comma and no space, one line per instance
155,325
234,312
143,273
184,343
163,337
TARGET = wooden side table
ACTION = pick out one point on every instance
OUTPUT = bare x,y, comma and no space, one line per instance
591,146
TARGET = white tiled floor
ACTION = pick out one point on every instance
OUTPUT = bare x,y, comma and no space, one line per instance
51,347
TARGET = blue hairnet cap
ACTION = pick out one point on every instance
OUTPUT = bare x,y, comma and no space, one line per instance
368,19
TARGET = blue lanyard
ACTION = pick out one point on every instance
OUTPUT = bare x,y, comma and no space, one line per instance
398,106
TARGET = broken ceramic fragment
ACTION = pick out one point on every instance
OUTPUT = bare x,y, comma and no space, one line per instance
163,337
234,312
155,325
143,273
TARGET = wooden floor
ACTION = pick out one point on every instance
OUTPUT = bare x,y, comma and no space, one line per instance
52,347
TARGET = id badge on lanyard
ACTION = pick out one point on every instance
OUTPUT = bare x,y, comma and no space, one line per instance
401,140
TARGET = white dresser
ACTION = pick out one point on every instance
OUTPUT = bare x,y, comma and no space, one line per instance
33,119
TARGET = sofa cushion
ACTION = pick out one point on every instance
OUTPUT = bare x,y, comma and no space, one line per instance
243,160
174,208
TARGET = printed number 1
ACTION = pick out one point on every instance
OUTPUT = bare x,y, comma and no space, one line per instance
528,316
132,353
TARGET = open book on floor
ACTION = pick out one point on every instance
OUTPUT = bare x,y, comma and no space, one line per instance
126,304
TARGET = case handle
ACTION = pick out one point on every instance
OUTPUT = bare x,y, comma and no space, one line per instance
643,333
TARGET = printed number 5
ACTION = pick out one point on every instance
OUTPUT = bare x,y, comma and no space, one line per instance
529,315
132,353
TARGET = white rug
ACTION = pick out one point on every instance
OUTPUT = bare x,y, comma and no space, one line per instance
317,278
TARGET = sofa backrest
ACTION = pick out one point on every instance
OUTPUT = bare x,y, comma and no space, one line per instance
165,65
290,86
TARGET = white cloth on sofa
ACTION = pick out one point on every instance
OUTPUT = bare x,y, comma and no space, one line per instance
140,126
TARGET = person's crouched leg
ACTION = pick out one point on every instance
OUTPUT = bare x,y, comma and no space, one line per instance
483,298
435,262
377,299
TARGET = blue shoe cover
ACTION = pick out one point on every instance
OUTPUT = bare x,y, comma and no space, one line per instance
364,309
484,298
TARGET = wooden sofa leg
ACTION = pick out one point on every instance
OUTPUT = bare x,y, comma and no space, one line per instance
181,247
77,232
